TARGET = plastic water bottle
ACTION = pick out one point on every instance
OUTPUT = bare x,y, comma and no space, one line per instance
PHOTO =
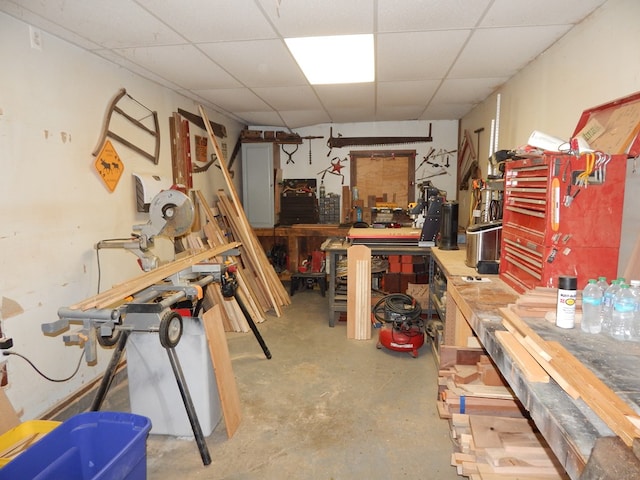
591,308
624,306
635,327
607,305
602,283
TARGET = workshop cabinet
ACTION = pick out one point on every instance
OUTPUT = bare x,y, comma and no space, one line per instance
259,166
553,226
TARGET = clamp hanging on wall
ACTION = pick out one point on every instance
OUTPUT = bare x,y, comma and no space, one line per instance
107,133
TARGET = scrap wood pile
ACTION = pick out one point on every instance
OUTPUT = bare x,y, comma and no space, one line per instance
540,302
493,439
469,383
539,359
501,448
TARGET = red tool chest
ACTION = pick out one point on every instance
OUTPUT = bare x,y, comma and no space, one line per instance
544,236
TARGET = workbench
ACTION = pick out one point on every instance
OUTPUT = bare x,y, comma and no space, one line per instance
569,426
382,242
300,239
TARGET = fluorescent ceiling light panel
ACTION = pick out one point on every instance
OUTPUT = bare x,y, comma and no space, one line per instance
335,59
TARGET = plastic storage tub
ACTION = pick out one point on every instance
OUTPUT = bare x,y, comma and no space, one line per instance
20,438
92,445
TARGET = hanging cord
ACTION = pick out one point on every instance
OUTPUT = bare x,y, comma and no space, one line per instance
98,256
57,380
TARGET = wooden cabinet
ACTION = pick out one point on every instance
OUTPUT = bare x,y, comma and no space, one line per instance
544,235
260,164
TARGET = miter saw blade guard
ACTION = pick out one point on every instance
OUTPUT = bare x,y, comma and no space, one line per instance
171,213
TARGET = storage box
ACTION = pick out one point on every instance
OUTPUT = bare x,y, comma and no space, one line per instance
18,439
91,445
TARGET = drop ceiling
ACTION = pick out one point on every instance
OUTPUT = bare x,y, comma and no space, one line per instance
435,59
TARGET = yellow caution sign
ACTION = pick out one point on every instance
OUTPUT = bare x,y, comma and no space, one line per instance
109,166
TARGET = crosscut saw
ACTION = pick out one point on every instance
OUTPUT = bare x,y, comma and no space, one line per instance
340,141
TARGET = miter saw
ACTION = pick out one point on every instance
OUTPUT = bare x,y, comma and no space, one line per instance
171,214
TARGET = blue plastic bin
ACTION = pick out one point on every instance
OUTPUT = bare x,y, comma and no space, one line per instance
92,445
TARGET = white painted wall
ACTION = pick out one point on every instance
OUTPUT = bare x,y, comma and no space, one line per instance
596,62
54,206
443,132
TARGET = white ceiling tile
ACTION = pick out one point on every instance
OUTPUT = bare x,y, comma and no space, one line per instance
406,93
301,118
417,55
443,111
266,63
539,12
289,98
112,24
501,52
212,21
467,90
182,64
262,118
398,113
415,15
346,96
294,18
240,100
349,115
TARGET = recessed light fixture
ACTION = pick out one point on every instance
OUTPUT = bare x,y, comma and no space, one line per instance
334,59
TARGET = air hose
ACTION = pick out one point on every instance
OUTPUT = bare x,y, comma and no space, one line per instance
397,308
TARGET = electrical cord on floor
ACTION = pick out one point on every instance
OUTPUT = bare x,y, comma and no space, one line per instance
57,380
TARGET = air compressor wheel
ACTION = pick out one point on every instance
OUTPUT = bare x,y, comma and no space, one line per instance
170,330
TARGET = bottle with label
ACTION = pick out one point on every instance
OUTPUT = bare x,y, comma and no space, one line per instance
607,305
566,304
624,306
322,189
591,308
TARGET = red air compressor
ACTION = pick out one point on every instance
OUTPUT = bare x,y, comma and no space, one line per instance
402,327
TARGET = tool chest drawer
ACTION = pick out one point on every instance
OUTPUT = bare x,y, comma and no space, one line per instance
556,223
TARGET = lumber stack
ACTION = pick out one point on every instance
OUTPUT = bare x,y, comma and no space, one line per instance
265,277
473,385
501,448
540,302
574,377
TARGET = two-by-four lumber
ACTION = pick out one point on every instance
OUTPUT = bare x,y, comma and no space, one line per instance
120,292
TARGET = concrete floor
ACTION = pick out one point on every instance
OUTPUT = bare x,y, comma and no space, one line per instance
323,407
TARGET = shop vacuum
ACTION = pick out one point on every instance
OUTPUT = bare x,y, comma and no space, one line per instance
402,327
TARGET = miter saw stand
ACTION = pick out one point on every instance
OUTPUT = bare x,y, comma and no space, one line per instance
153,309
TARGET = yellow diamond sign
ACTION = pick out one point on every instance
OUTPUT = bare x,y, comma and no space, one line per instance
109,166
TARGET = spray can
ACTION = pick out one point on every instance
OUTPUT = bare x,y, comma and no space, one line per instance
566,303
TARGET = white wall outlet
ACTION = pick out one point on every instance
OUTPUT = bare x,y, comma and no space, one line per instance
35,37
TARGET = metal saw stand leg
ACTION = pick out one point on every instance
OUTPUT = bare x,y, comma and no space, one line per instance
188,404
105,384
253,327
182,386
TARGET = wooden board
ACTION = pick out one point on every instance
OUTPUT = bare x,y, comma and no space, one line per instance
8,417
119,292
227,387
531,369
359,292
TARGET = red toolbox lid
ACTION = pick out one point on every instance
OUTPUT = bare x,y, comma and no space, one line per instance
613,127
